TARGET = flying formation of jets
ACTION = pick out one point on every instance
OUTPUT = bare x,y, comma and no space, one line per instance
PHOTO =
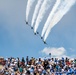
36,33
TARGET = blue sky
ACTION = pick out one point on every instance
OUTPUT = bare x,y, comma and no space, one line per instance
18,40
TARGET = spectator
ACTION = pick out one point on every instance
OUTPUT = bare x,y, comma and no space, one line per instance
51,66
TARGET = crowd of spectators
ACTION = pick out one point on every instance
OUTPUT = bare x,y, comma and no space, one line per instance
33,66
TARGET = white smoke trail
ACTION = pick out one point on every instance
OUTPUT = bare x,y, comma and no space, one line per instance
65,7
45,6
29,4
54,9
36,12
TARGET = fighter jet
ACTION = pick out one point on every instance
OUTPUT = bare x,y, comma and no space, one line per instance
44,42
34,33
41,37
37,32
31,27
26,22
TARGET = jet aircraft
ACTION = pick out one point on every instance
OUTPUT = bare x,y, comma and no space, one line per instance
26,22
41,37
44,42
34,33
